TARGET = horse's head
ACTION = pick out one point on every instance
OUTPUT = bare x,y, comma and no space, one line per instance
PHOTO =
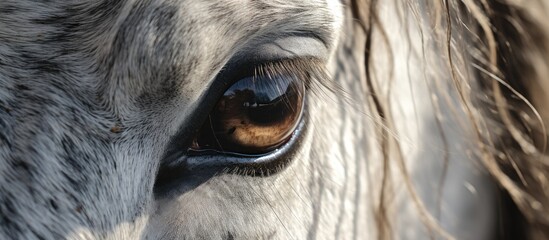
313,119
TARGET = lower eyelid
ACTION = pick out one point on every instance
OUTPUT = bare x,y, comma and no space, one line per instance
205,158
208,163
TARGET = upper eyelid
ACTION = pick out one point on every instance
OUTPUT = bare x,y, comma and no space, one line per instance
299,66
260,51
288,47
304,69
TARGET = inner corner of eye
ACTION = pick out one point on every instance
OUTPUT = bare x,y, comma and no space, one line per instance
256,115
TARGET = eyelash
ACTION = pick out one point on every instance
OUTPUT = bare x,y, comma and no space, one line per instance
311,71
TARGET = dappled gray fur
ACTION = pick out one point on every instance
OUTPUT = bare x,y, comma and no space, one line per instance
93,94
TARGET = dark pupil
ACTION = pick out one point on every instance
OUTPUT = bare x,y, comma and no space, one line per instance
267,106
255,115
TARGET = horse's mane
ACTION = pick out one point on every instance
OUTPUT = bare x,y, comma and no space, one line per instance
496,53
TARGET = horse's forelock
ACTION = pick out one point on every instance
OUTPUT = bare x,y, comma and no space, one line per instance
496,53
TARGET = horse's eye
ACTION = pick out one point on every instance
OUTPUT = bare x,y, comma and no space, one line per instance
254,116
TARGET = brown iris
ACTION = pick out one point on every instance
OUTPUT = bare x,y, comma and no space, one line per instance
255,115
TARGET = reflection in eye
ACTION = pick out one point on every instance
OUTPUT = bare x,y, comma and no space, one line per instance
255,115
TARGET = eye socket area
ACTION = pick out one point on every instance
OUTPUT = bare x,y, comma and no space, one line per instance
256,115
268,101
